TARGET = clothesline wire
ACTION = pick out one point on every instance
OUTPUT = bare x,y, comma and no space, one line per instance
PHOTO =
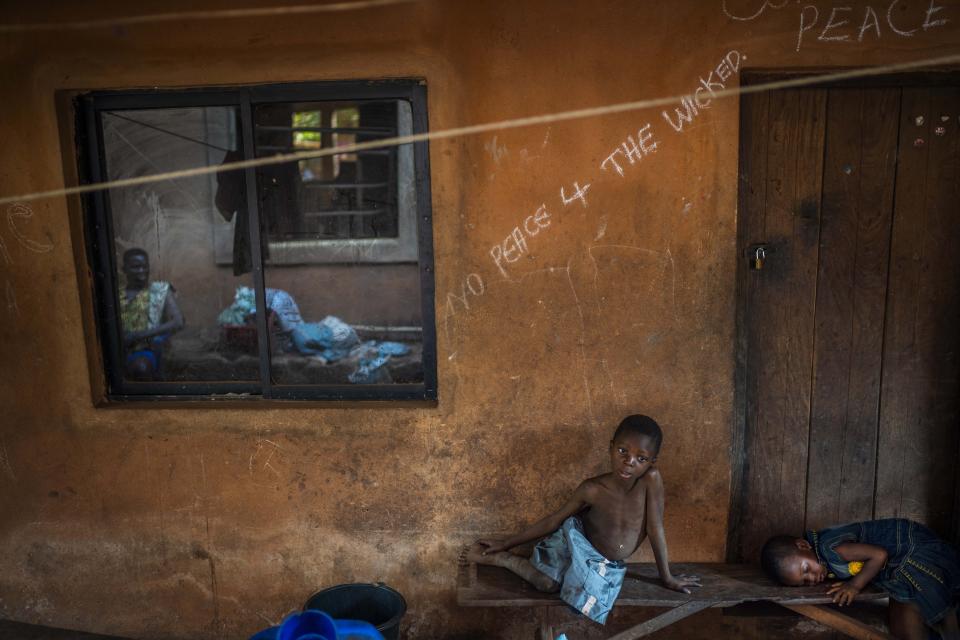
501,125
258,12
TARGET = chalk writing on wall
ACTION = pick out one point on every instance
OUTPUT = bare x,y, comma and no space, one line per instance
472,285
15,212
265,458
514,246
579,193
22,211
516,243
835,23
630,152
764,5
705,92
602,229
497,152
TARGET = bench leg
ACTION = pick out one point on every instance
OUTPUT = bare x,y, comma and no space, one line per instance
545,632
665,619
842,623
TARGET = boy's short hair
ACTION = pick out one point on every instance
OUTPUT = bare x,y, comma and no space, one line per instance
774,555
136,251
643,426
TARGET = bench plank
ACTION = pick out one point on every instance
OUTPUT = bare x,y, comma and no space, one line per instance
723,585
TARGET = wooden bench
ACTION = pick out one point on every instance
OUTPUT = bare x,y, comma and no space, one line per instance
724,585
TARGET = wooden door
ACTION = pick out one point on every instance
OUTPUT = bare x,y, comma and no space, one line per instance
848,369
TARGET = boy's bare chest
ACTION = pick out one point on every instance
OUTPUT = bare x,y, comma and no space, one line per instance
621,510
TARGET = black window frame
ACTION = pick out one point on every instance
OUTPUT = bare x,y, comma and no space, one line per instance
98,229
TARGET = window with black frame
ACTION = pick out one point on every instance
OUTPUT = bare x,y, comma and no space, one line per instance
335,246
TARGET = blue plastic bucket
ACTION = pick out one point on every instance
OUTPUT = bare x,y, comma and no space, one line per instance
317,625
377,604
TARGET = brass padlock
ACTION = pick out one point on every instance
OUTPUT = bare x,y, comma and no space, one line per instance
756,254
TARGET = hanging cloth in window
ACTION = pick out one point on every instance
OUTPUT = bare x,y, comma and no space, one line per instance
231,200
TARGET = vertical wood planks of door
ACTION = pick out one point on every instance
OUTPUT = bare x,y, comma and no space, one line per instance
920,393
856,217
779,318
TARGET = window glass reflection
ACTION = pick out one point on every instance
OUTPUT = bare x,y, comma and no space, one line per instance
343,283
338,237
181,246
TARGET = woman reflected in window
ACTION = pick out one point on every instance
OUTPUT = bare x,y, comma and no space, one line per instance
149,316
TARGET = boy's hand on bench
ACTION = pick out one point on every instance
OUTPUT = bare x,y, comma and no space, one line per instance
682,583
843,593
492,546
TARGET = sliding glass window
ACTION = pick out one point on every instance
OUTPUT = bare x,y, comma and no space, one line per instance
333,241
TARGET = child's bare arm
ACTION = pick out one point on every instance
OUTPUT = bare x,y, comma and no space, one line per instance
544,526
658,539
873,558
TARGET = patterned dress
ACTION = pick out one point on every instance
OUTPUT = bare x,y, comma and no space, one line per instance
144,311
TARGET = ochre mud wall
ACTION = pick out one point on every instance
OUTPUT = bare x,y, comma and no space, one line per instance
200,521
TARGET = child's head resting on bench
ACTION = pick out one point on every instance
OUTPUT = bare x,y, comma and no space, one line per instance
792,561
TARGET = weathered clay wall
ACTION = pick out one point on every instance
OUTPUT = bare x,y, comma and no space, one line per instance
214,521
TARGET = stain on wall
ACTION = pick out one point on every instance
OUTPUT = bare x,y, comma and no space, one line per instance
609,294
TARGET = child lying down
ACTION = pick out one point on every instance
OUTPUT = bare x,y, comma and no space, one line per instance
919,571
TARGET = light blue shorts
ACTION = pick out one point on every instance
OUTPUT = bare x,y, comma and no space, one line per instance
588,582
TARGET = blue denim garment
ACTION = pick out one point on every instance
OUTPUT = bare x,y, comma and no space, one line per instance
921,568
588,582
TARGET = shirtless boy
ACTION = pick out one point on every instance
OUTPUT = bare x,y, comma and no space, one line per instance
604,521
